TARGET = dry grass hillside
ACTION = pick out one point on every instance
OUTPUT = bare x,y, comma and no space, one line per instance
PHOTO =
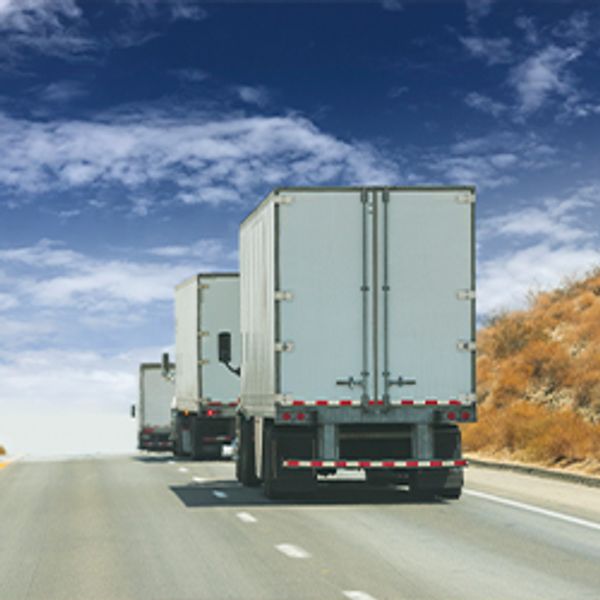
538,377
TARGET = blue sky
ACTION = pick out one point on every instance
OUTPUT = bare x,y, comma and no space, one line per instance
136,134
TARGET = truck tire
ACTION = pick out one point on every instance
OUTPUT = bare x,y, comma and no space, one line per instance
245,467
277,481
451,493
270,458
196,431
177,442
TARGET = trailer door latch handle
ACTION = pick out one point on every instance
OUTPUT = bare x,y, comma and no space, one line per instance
402,381
350,382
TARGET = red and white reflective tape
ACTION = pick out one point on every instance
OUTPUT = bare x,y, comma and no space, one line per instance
292,463
401,402
216,403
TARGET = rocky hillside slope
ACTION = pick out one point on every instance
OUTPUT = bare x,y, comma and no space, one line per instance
538,374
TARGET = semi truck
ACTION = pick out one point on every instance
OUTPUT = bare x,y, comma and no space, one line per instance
358,337
153,408
206,394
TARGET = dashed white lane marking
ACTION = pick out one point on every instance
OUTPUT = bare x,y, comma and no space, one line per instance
183,470
534,509
219,494
292,551
357,595
245,517
170,462
199,479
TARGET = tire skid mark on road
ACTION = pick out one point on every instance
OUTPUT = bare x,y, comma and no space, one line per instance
292,551
534,509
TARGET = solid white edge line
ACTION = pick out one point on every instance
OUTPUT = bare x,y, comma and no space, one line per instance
534,509
292,551
246,517
219,494
357,595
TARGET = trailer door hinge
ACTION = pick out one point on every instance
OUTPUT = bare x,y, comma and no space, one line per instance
466,198
203,333
204,286
203,362
466,294
284,346
282,295
283,199
467,346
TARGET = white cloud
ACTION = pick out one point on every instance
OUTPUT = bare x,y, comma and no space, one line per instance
542,75
210,250
491,161
62,91
485,104
63,282
393,5
7,301
505,281
201,158
477,9
493,50
257,95
191,75
46,26
59,27
548,241
554,220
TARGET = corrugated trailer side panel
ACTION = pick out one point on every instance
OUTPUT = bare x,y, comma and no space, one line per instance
257,291
186,345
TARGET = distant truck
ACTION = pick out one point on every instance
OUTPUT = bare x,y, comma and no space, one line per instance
206,394
358,337
154,408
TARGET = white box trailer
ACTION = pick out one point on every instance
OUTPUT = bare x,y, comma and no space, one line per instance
206,393
154,408
358,336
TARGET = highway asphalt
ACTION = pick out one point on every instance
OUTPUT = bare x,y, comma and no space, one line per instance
151,528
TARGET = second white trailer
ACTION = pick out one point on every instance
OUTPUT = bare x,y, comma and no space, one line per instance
206,393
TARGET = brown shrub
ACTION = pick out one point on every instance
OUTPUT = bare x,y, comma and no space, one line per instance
531,432
510,334
2,451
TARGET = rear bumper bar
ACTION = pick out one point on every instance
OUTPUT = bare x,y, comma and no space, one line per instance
292,463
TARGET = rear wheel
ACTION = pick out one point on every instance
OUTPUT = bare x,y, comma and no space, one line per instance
178,441
451,494
279,482
245,464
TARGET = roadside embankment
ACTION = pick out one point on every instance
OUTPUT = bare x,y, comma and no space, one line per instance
538,383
